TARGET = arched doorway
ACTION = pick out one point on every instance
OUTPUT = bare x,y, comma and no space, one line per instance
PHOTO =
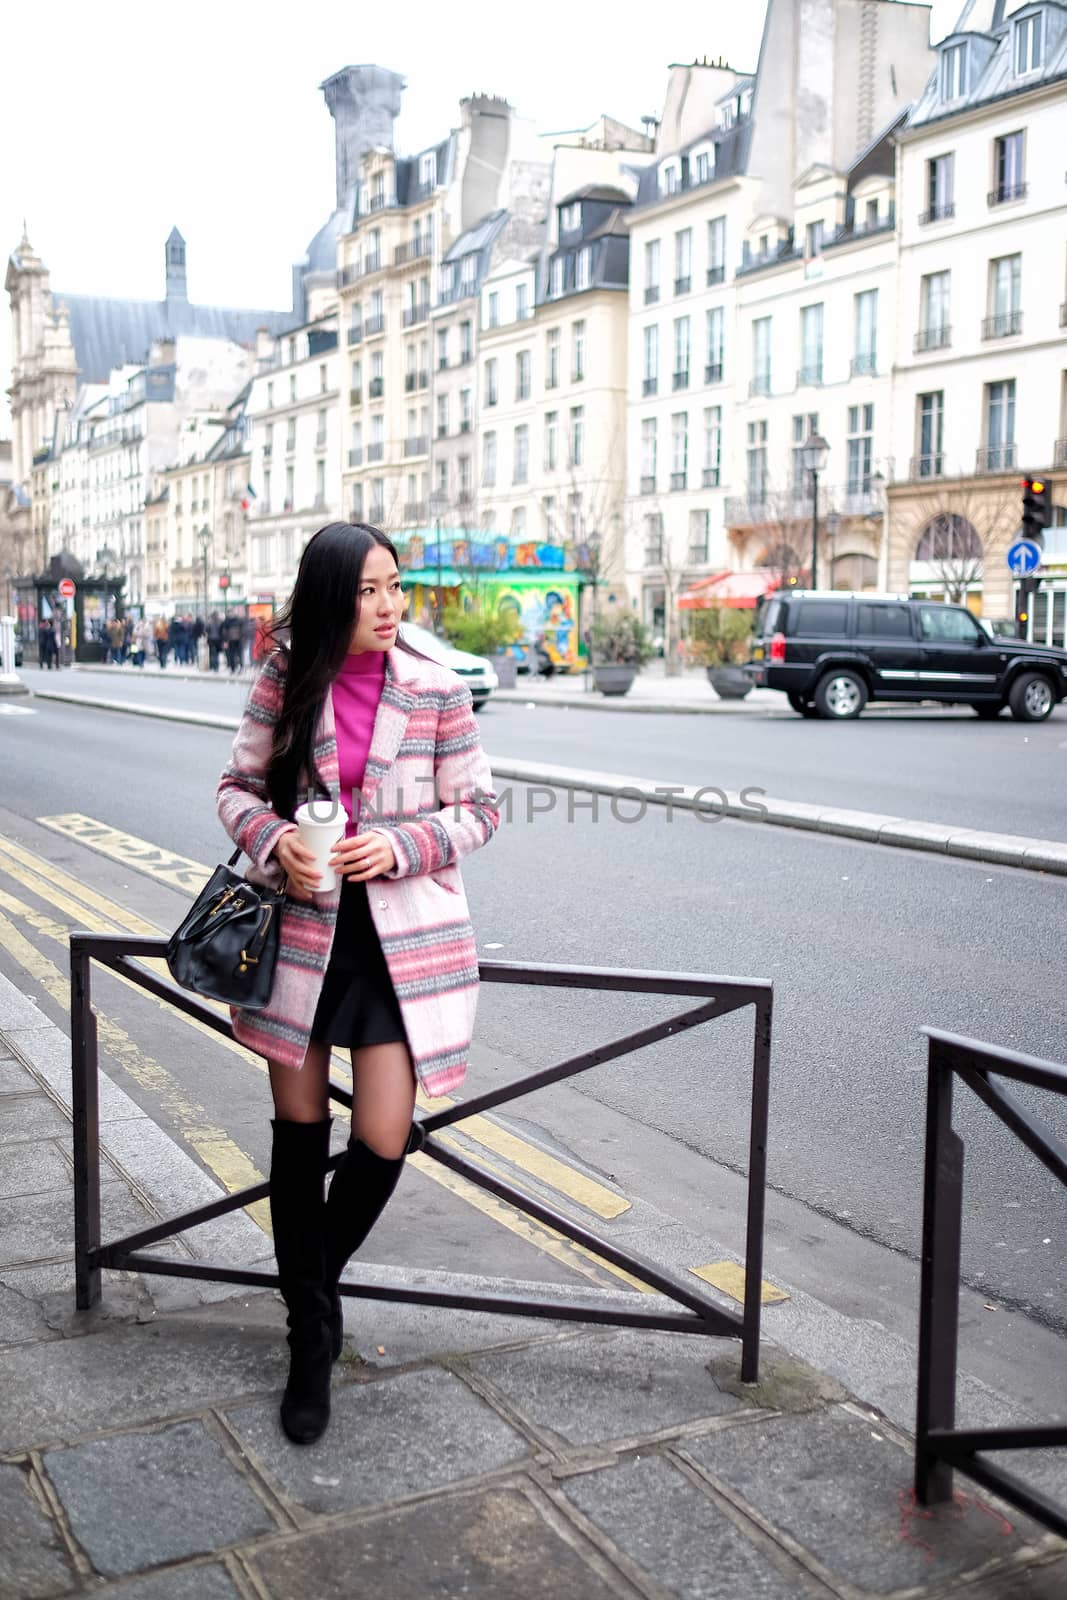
948,557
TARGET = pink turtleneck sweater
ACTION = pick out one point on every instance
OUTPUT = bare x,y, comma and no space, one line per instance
356,691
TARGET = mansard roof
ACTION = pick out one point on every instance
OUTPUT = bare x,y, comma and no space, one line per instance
991,64
109,333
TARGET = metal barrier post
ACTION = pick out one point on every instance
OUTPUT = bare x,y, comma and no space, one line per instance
86,1109
757,1190
939,1292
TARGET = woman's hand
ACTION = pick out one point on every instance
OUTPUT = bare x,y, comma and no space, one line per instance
368,855
299,865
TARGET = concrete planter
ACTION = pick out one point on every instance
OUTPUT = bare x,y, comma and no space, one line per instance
506,670
729,683
614,680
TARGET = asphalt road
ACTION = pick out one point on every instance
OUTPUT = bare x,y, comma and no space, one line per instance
932,765
865,945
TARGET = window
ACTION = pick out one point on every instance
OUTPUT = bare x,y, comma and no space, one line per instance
949,625
717,250
1005,288
651,271
811,321
679,449
442,415
494,310
577,351
699,526
711,472
815,618
934,310
1028,43
442,478
320,432
931,432
446,276
465,414
323,384
954,72
551,440
522,302
714,322
491,395
583,276
466,341
648,455
552,341
548,513
292,350
522,375
442,348
577,436
858,447
803,427
292,387
939,188
270,396
1008,166
756,462
761,355
290,476
428,169
883,622
518,522
320,484
1000,425
570,217
290,435
266,493
463,466
653,539
670,177
555,279
521,460
702,164
468,273
650,382
865,359
681,353
870,218
683,261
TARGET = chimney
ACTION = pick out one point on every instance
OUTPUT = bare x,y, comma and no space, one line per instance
364,103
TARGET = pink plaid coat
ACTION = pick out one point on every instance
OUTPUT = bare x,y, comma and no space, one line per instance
428,787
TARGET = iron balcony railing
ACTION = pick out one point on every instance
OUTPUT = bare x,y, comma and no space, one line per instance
809,377
411,250
417,446
649,386
937,213
715,275
374,325
651,293
415,511
376,450
355,334
648,483
864,365
355,397
683,285
355,456
709,477
713,372
928,466
1005,192
760,384
995,458
416,314
1003,325
678,480
376,388
940,1447
746,510
680,380
935,338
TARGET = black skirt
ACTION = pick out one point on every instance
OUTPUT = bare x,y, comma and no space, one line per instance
358,1004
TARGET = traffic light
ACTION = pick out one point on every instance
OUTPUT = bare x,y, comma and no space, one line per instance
1024,605
1037,510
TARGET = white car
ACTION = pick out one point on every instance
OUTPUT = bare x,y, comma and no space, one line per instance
476,671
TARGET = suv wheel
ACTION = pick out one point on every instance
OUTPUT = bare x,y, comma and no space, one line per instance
803,708
1031,698
840,694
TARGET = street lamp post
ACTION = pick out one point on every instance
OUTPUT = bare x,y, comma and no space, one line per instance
205,545
815,453
879,479
438,504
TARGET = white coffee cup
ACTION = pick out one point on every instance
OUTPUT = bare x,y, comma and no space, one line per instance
321,825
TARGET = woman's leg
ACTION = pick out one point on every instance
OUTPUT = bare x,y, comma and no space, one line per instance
383,1100
302,1096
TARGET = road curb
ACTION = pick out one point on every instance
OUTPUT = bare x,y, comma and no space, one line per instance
712,803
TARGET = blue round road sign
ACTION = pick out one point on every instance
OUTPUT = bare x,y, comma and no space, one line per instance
1024,556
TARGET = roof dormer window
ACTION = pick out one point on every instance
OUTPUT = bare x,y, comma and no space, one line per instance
670,177
1029,43
702,163
570,217
954,72
428,169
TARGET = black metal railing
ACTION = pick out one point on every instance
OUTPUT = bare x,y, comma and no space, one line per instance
1002,325
694,1313
937,213
941,1448
936,337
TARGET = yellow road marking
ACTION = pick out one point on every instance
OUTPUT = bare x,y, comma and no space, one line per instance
730,1278
183,873
217,1150
54,877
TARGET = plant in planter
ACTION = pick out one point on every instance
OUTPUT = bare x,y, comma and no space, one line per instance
620,646
484,628
718,641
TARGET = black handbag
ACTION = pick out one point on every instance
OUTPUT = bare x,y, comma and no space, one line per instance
226,946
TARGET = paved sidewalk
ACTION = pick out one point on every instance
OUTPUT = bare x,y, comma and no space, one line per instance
504,1458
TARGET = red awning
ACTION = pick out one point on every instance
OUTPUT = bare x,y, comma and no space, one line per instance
741,590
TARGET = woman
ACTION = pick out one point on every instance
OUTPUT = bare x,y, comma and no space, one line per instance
386,964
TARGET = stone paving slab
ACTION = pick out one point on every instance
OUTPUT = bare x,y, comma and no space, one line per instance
25,1118
387,1438
32,1167
491,1546
34,1561
837,1484
139,1500
36,1226
14,1078
204,1581
601,1387
660,1519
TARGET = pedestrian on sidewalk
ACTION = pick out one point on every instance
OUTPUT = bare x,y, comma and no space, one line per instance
385,965
233,632
214,641
142,638
162,634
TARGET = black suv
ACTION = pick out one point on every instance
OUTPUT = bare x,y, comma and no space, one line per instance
831,653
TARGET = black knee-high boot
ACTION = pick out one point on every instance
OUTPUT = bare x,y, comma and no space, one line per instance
298,1215
360,1189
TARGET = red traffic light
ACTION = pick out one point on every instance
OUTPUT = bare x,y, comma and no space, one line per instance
224,580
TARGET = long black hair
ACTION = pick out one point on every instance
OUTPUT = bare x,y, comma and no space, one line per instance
314,627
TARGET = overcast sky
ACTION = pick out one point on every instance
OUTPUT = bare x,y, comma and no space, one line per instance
120,119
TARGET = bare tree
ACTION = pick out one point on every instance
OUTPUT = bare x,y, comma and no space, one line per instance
959,525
